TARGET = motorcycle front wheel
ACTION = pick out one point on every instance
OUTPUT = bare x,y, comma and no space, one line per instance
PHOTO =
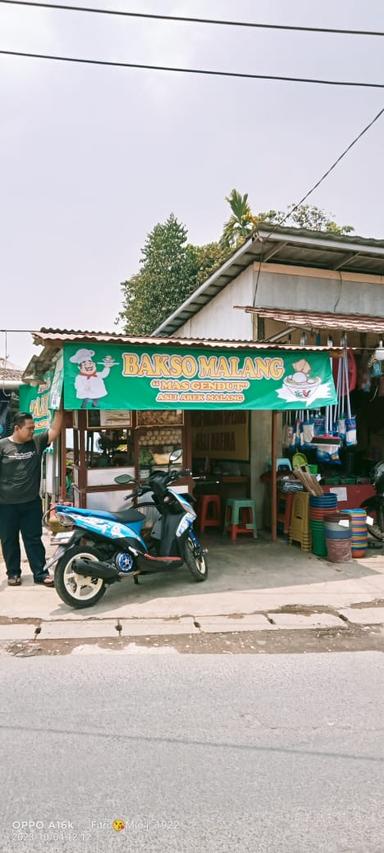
76,590
196,560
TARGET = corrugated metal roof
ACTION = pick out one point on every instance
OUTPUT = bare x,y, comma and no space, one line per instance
320,319
60,336
53,339
9,372
288,246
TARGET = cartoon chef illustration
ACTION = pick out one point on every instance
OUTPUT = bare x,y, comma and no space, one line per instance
89,382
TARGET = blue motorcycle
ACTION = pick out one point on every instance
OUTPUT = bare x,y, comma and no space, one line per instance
106,547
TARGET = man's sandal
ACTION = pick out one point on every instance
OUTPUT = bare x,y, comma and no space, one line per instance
47,581
15,581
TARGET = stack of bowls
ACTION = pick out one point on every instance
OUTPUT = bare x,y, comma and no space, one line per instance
320,506
338,535
359,532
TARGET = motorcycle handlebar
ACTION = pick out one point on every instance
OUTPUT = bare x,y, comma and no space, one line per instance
168,478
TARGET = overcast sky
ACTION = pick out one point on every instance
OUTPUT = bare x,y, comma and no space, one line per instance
91,158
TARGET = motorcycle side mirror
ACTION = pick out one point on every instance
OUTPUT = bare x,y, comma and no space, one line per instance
124,479
175,456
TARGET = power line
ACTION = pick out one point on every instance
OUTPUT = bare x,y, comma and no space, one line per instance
202,71
189,20
312,190
333,166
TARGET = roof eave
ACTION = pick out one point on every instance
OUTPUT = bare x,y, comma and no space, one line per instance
264,235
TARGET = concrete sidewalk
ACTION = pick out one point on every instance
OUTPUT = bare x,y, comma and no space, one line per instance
248,582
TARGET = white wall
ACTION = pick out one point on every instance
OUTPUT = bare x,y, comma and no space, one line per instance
315,290
284,287
219,319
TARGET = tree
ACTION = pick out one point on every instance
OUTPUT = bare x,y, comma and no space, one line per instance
241,223
171,268
314,219
305,216
208,259
169,273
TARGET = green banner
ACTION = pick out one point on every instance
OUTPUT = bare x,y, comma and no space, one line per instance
42,400
35,400
161,377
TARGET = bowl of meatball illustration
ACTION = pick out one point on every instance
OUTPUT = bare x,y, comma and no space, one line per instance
300,383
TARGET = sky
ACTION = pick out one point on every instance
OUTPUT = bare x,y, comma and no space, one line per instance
92,158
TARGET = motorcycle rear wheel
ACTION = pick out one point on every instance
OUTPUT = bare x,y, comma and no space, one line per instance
196,561
75,590
376,531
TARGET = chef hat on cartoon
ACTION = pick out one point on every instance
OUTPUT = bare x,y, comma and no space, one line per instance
82,355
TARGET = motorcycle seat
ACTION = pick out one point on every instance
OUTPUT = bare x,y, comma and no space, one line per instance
128,516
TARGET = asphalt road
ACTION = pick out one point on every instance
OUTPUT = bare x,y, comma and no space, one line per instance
195,753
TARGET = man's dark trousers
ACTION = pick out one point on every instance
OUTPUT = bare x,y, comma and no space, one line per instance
26,519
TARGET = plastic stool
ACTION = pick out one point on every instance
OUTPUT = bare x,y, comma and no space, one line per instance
284,510
281,462
299,530
240,517
209,511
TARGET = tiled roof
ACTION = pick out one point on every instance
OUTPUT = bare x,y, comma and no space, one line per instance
320,319
9,371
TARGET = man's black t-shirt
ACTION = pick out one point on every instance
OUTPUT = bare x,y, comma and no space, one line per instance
20,469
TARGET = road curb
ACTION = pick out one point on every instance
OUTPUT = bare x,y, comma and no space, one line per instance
188,625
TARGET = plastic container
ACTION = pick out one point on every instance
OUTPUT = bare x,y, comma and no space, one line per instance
338,534
339,550
313,469
359,532
323,500
319,546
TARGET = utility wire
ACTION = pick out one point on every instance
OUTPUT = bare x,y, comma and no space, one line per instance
333,166
307,194
201,71
189,20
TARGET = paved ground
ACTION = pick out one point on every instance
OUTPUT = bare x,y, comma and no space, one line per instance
245,578
279,754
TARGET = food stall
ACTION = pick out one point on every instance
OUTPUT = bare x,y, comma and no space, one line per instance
131,401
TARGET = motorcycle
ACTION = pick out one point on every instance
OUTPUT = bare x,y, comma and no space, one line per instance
374,506
106,547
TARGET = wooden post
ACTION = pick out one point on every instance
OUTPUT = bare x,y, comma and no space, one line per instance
63,462
274,477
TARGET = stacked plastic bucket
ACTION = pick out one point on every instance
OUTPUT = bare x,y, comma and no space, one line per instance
338,534
359,532
320,507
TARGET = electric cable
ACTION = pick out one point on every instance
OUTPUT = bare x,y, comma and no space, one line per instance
312,190
191,20
201,71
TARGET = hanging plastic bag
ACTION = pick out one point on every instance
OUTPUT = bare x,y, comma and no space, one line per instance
288,434
351,432
342,428
319,425
308,432
339,421
328,453
298,431
350,422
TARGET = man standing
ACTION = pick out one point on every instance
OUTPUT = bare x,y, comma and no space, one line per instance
20,503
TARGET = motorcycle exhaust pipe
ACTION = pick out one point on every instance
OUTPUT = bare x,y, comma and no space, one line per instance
96,570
